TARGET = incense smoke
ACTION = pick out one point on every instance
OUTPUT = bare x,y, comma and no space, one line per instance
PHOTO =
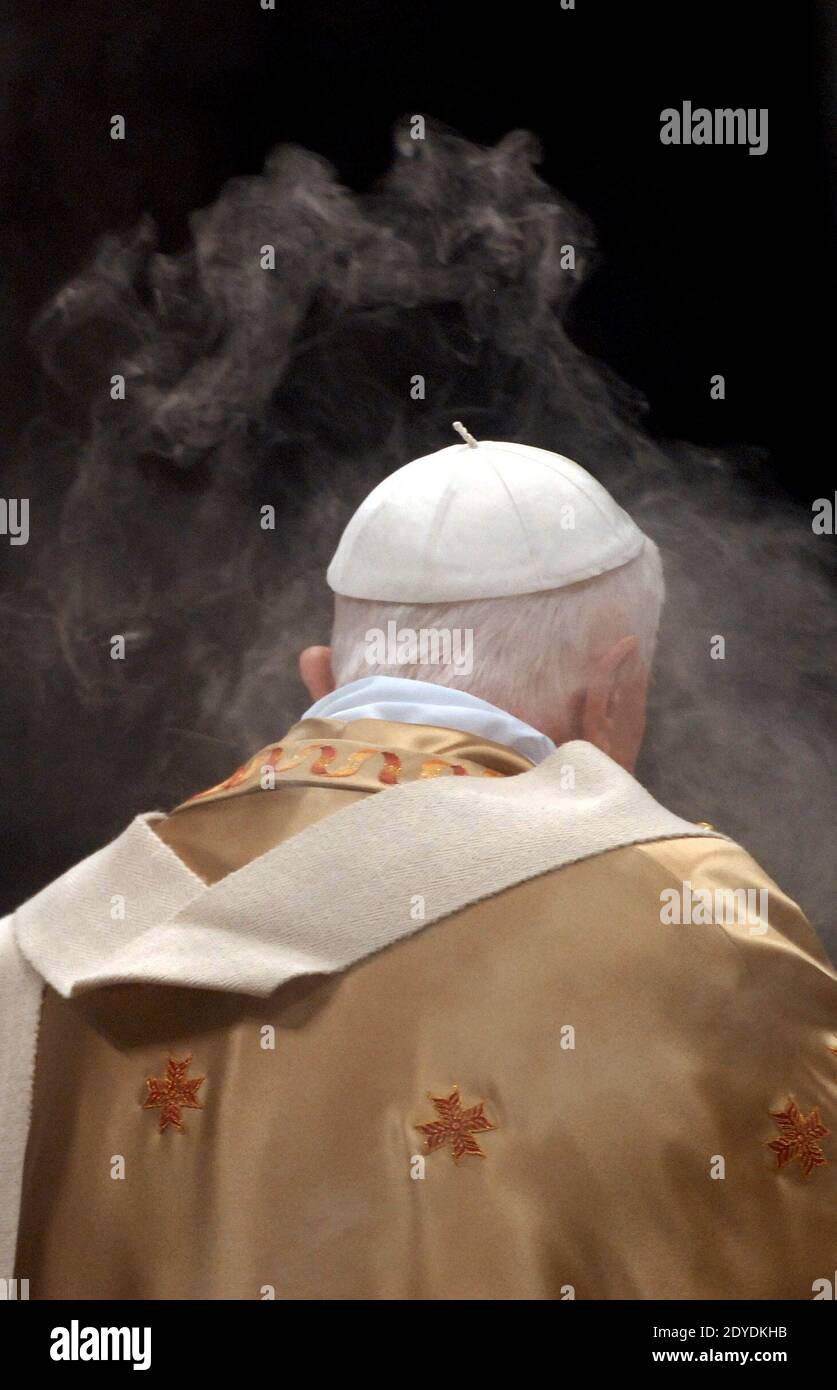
291,388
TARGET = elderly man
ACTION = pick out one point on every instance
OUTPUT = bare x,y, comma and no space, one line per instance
430,999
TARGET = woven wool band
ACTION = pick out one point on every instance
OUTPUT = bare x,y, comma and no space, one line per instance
20,1008
455,841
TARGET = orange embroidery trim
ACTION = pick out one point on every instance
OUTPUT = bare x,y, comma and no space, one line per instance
237,776
799,1134
390,772
353,762
389,775
300,757
173,1092
434,767
319,767
455,1126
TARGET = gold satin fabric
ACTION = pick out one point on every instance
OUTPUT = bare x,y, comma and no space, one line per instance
223,828
296,1176
367,754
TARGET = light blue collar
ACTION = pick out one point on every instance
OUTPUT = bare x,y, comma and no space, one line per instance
422,702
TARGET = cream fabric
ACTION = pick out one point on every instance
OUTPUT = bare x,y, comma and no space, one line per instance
299,1172
279,917
20,1004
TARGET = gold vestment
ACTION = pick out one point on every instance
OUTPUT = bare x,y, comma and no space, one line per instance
630,1073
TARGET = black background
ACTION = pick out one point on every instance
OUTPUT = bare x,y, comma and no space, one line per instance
634,1331
712,260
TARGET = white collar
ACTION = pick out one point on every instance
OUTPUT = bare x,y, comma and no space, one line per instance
422,702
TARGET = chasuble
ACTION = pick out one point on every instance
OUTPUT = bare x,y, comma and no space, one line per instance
393,1014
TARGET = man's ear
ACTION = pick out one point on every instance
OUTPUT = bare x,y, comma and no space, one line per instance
610,697
316,671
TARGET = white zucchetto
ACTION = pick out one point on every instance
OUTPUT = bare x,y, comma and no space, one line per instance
481,520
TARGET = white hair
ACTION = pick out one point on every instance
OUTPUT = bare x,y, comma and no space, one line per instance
531,653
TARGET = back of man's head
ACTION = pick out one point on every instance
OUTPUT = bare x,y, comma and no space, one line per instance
508,572
534,655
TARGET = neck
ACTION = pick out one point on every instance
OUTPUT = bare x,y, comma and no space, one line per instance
423,702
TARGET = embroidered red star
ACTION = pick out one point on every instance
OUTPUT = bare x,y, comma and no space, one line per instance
455,1126
799,1134
173,1093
